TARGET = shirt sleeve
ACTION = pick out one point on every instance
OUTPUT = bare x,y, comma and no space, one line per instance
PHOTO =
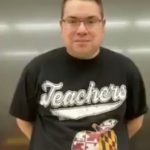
136,97
24,103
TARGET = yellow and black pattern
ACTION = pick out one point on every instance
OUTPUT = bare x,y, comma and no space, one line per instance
108,141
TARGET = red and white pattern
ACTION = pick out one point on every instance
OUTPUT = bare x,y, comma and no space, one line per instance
86,140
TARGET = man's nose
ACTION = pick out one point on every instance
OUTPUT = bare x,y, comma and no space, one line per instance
82,29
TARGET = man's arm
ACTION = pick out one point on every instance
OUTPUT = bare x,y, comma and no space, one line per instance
25,127
134,125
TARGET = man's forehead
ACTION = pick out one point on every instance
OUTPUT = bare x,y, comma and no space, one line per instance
88,16
81,9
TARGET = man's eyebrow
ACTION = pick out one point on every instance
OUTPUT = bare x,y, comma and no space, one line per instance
91,17
88,17
72,17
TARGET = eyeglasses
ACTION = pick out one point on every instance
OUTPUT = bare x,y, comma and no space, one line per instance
88,22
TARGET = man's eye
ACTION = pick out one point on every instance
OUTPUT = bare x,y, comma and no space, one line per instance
90,21
72,21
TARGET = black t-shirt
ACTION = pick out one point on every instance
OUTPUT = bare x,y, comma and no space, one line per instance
79,104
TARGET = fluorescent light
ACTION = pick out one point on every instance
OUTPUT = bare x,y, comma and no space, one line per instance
142,23
19,53
139,50
37,26
55,25
4,27
117,24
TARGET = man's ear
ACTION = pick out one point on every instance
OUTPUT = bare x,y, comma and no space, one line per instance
60,25
104,22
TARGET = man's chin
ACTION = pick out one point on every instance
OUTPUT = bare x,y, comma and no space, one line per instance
83,53
82,48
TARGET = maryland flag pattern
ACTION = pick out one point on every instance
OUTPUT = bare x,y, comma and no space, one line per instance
108,141
102,139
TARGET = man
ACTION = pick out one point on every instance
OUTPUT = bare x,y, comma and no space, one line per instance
81,96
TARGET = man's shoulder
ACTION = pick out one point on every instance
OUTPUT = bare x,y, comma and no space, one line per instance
119,59
46,58
113,53
115,56
50,54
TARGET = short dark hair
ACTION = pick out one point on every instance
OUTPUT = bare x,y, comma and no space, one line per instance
99,3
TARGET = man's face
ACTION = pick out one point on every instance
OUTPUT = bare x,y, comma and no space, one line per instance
82,28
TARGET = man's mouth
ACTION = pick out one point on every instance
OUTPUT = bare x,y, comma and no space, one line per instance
82,41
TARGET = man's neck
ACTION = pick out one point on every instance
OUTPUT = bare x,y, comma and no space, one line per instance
87,57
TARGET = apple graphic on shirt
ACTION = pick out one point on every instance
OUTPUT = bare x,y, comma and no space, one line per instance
104,138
